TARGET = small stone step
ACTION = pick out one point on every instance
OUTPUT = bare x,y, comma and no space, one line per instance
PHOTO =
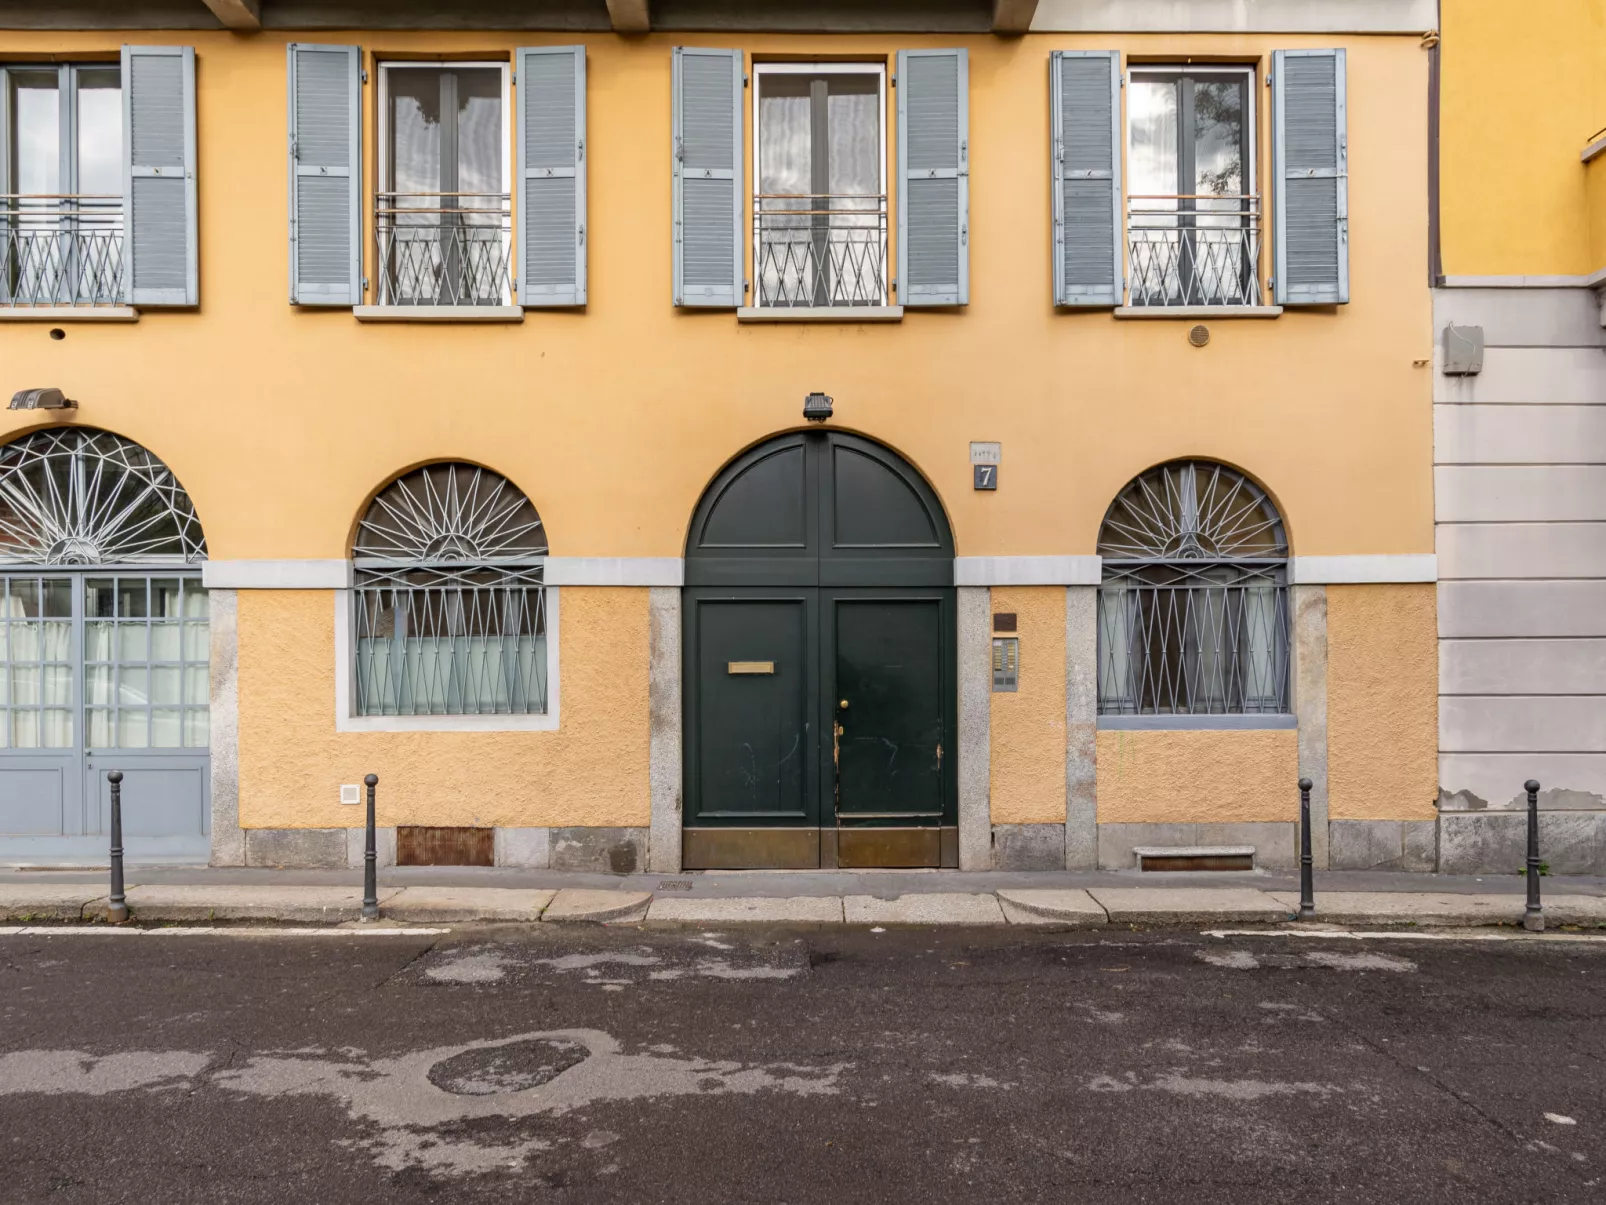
1195,857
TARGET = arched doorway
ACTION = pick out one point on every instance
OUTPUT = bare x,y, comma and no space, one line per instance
820,675
104,652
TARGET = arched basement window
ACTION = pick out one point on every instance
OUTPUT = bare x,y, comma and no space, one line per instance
1193,607
450,605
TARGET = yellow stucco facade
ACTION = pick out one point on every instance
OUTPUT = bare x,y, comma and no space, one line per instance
293,762
1524,92
282,423
1027,725
1382,702
1197,777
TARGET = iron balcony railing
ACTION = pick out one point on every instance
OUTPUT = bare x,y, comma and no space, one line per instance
1193,250
820,249
444,248
61,250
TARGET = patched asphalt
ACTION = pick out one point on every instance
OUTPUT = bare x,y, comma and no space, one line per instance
627,1064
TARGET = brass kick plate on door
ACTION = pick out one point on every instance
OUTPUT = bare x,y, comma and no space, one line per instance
750,667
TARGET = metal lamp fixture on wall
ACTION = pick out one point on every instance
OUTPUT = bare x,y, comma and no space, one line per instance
817,407
41,399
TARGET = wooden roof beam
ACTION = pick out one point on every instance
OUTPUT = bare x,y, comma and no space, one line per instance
629,16
242,16
1013,16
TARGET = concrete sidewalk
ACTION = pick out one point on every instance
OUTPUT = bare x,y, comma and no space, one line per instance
1049,899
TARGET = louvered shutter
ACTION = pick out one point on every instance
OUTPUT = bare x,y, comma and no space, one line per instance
1085,99
325,84
552,175
1310,178
6,151
707,166
160,252
933,177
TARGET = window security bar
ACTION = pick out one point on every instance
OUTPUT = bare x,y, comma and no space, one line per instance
1193,250
453,647
61,249
1188,645
820,249
445,248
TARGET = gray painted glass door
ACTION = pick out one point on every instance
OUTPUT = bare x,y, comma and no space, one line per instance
103,671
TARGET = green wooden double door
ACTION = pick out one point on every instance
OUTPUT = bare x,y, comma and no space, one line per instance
820,663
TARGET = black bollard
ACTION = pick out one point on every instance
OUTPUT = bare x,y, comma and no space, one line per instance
1533,917
1307,884
370,857
117,907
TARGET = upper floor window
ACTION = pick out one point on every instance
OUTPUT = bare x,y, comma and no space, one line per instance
1193,218
1157,195
61,212
443,217
820,213
1193,608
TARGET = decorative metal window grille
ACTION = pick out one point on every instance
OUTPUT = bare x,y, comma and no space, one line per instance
77,496
1193,608
450,608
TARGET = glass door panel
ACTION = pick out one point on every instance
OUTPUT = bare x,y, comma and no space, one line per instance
145,663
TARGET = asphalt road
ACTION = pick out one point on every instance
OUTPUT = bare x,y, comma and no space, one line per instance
582,1064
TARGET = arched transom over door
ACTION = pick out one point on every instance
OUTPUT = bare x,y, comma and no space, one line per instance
104,651
820,668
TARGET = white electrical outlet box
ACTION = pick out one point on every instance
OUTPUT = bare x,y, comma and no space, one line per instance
350,793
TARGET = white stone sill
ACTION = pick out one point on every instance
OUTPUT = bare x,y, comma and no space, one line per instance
69,313
438,313
820,313
1198,311
1257,722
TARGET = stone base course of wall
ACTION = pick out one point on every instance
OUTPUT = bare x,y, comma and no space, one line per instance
1482,842
1028,847
597,850
1496,842
1275,842
1383,845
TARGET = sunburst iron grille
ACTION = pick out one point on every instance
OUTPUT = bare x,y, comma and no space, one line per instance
78,496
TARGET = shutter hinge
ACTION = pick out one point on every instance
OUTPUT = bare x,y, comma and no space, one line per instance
892,80
746,285
1268,79
894,284
580,149
515,284
744,79
365,75
513,78
295,148
582,235
364,284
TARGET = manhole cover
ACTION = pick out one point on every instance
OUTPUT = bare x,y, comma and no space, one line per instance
511,1068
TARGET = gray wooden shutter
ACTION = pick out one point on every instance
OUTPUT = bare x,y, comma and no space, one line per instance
160,252
934,177
325,88
1310,178
707,183
552,175
1085,100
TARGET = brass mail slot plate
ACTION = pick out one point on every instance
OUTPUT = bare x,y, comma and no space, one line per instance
750,667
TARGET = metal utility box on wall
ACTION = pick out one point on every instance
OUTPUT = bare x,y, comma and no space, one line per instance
1463,351
1006,663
